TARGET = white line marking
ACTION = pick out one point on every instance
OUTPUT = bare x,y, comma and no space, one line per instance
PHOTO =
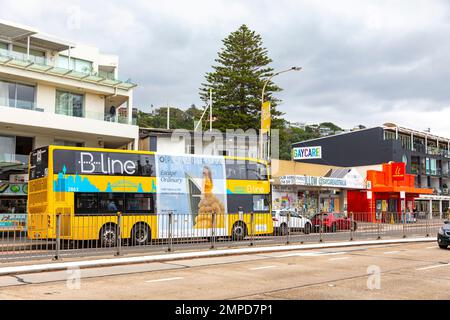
165,279
435,266
342,258
260,268
430,247
391,252
310,254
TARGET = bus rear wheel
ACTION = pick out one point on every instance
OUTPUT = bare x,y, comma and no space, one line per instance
108,235
239,231
140,235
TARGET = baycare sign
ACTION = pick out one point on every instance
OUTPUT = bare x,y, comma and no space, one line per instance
398,170
307,153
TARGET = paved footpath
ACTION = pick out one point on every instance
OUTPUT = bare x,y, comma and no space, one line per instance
408,271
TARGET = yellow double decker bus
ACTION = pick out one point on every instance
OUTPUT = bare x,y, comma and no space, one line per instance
193,195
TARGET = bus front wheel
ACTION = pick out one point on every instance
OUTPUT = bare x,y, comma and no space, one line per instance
140,235
108,235
239,231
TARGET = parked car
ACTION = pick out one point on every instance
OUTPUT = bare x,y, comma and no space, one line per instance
443,237
296,222
332,221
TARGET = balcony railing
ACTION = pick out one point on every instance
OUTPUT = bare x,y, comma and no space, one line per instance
432,150
22,104
40,64
101,116
12,159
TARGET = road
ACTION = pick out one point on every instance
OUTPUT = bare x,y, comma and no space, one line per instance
22,249
407,271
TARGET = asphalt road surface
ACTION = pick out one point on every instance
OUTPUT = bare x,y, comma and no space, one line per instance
406,271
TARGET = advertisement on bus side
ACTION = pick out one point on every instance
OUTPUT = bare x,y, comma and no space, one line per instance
192,188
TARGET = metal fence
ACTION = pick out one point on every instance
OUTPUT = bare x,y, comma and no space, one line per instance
63,235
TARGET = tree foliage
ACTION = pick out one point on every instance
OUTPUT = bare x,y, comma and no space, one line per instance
237,80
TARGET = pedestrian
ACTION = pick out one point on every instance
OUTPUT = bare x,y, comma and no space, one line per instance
112,112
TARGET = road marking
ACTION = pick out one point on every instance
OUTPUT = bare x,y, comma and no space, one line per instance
260,268
342,258
310,254
391,252
165,279
435,266
434,247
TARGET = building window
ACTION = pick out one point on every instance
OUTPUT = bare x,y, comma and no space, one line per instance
406,141
78,65
69,104
17,95
389,135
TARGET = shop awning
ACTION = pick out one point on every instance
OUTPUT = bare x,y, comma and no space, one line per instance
400,189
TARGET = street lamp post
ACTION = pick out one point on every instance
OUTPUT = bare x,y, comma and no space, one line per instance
262,102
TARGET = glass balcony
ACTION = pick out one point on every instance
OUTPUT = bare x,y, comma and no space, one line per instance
101,116
40,64
9,159
21,104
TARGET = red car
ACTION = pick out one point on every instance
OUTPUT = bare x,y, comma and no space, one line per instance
332,221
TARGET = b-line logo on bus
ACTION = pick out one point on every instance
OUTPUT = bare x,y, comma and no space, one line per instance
105,165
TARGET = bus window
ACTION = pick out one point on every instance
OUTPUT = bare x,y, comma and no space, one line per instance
139,203
256,171
260,202
39,163
236,169
110,202
86,203
239,200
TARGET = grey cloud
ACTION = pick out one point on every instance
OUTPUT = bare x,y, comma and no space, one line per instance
361,65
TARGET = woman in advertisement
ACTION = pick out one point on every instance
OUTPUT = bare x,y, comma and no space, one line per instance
209,204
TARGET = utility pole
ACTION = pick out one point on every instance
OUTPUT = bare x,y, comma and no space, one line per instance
168,116
210,109
261,142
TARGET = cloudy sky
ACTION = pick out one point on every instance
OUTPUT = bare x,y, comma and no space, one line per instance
365,62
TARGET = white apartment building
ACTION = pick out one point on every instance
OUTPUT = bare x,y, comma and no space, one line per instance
53,91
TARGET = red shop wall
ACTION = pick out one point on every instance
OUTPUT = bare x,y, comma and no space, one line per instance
359,206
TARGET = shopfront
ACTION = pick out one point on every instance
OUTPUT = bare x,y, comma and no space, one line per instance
312,194
389,196
13,203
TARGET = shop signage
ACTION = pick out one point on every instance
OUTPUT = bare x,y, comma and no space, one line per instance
307,153
314,181
398,170
13,189
13,222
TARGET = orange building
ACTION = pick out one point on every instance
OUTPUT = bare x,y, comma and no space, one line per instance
389,194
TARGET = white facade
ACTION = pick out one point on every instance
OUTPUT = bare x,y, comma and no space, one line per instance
57,92
205,143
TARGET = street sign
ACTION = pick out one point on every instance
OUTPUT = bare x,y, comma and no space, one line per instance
402,195
265,117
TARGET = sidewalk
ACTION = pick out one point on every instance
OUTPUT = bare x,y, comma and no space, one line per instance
192,255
